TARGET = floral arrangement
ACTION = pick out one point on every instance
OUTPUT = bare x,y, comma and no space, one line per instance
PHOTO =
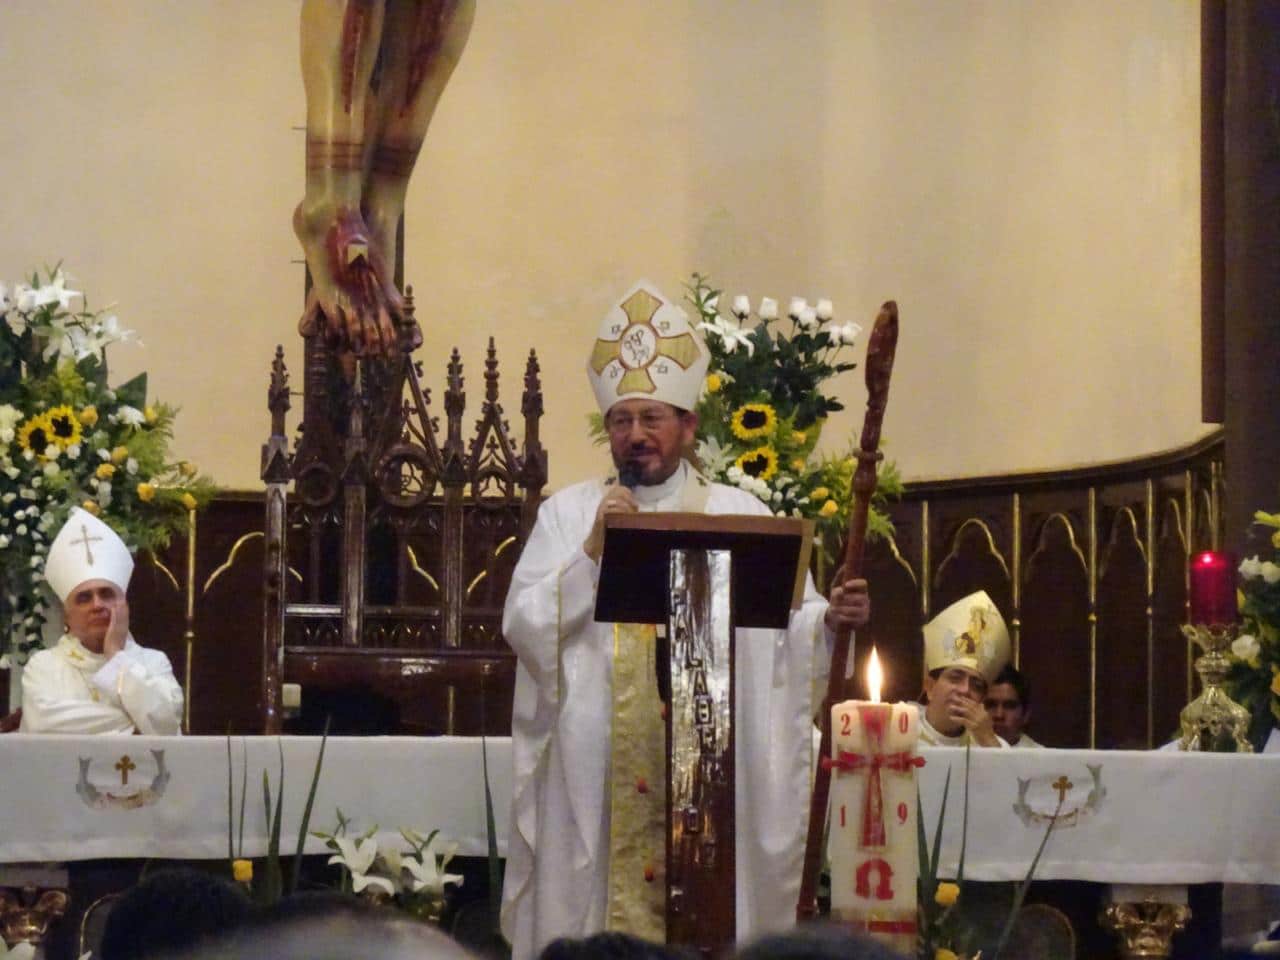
413,879
765,403
68,439
1253,679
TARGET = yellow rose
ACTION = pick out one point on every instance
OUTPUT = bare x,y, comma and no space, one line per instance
799,436
91,506
797,464
821,493
119,454
946,894
187,468
104,471
828,509
188,501
150,413
242,870
146,492
89,416
714,383
942,953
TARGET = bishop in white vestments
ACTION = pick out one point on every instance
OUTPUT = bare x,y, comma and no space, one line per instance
965,647
97,679
647,370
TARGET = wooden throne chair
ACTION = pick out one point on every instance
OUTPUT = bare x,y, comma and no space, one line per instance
387,566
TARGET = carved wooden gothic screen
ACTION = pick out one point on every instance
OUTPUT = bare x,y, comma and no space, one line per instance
387,568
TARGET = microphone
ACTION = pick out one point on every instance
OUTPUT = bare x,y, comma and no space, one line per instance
629,474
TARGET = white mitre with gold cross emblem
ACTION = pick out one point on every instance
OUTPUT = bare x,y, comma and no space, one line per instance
647,349
86,549
971,634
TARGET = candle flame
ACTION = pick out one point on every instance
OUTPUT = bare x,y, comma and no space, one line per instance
875,676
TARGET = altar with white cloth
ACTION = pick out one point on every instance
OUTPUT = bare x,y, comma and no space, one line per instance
67,798
1126,816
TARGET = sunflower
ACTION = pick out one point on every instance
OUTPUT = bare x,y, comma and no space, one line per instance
761,463
64,426
753,420
36,435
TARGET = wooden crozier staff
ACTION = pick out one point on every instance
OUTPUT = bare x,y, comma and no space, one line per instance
879,367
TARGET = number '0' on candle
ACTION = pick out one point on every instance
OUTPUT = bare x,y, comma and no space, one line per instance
875,676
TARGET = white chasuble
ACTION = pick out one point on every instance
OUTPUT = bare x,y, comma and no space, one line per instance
558,872
69,689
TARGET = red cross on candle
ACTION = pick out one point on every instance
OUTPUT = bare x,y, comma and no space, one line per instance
875,719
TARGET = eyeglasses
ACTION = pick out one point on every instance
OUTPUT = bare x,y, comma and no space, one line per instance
651,421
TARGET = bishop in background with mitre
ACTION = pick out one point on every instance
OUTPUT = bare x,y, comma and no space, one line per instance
97,679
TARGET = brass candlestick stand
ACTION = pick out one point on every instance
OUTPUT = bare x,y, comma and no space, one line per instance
1211,717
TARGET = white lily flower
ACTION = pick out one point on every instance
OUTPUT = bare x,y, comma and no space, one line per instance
56,292
715,459
768,309
730,334
428,876
741,306
824,310
1250,568
1245,647
25,297
358,856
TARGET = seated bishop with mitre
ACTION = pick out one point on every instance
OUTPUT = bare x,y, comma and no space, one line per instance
965,647
97,679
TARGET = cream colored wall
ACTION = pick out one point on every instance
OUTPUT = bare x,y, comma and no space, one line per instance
1022,177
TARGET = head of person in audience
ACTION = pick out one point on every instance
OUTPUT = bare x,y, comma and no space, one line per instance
332,926
965,647
88,569
1008,700
613,946
817,941
171,911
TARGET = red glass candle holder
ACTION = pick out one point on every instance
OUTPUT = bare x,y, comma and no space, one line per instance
1213,588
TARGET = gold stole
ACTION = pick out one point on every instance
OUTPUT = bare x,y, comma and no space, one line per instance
637,886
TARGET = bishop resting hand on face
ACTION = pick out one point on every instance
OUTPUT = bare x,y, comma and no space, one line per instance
97,679
365,128
965,647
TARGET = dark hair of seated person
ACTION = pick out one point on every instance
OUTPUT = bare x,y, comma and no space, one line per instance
817,941
327,925
169,911
612,946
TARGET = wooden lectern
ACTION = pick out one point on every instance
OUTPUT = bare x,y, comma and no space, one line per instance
701,575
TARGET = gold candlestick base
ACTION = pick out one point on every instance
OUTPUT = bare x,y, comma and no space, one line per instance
1145,928
26,912
1213,719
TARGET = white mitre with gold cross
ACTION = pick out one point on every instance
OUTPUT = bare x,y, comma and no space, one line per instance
647,349
86,549
971,634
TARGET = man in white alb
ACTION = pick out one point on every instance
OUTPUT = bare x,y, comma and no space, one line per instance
965,647
97,679
573,790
